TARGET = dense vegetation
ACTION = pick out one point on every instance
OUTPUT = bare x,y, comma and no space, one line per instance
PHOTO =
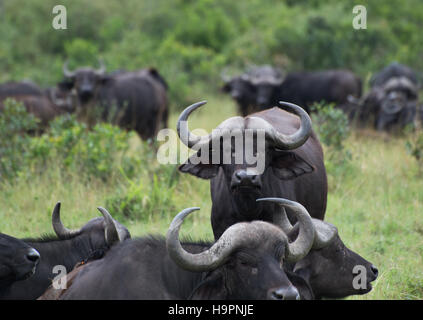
375,183
191,42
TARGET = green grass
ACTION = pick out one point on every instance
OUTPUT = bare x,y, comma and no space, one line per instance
375,200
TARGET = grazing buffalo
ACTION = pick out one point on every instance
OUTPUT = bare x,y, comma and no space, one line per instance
67,249
133,100
328,270
291,161
392,101
245,263
307,88
18,261
45,105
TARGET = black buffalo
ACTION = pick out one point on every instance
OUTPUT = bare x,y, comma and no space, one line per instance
307,88
68,248
243,88
133,100
392,102
18,261
328,270
245,263
292,163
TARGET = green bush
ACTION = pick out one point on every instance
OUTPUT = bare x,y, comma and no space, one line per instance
15,123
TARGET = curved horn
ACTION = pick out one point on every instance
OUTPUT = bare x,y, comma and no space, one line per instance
297,139
304,242
235,236
111,233
188,138
325,232
102,68
58,227
66,72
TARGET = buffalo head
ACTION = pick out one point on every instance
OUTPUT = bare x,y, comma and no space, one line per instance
330,269
256,154
102,232
85,81
246,262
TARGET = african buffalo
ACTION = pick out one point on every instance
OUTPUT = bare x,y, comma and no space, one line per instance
67,249
132,100
328,270
292,165
243,88
18,261
393,99
45,105
307,88
245,263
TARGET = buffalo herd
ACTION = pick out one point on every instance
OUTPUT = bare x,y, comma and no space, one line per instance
390,104
270,237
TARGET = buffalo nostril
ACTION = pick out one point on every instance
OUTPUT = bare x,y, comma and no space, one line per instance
289,293
33,255
374,270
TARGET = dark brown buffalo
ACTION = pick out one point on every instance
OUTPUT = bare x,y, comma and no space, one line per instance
45,105
133,100
293,166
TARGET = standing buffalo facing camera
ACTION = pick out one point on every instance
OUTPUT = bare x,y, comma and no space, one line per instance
291,161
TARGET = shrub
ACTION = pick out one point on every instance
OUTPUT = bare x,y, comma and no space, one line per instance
15,123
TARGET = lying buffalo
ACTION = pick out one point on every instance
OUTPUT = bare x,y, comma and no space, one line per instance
291,161
329,269
133,100
44,104
245,263
392,102
307,88
67,248
18,261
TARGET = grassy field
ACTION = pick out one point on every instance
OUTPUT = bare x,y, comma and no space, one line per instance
375,200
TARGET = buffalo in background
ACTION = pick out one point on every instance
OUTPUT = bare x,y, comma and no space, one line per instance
392,102
263,87
44,104
132,100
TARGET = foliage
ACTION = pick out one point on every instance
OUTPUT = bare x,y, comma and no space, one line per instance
414,147
15,123
190,42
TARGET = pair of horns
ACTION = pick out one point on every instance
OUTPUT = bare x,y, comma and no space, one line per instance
110,231
239,235
279,140
70,74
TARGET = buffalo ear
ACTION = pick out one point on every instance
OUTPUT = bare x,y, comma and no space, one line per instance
200,170
105,79
289,165
204,171
211,288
